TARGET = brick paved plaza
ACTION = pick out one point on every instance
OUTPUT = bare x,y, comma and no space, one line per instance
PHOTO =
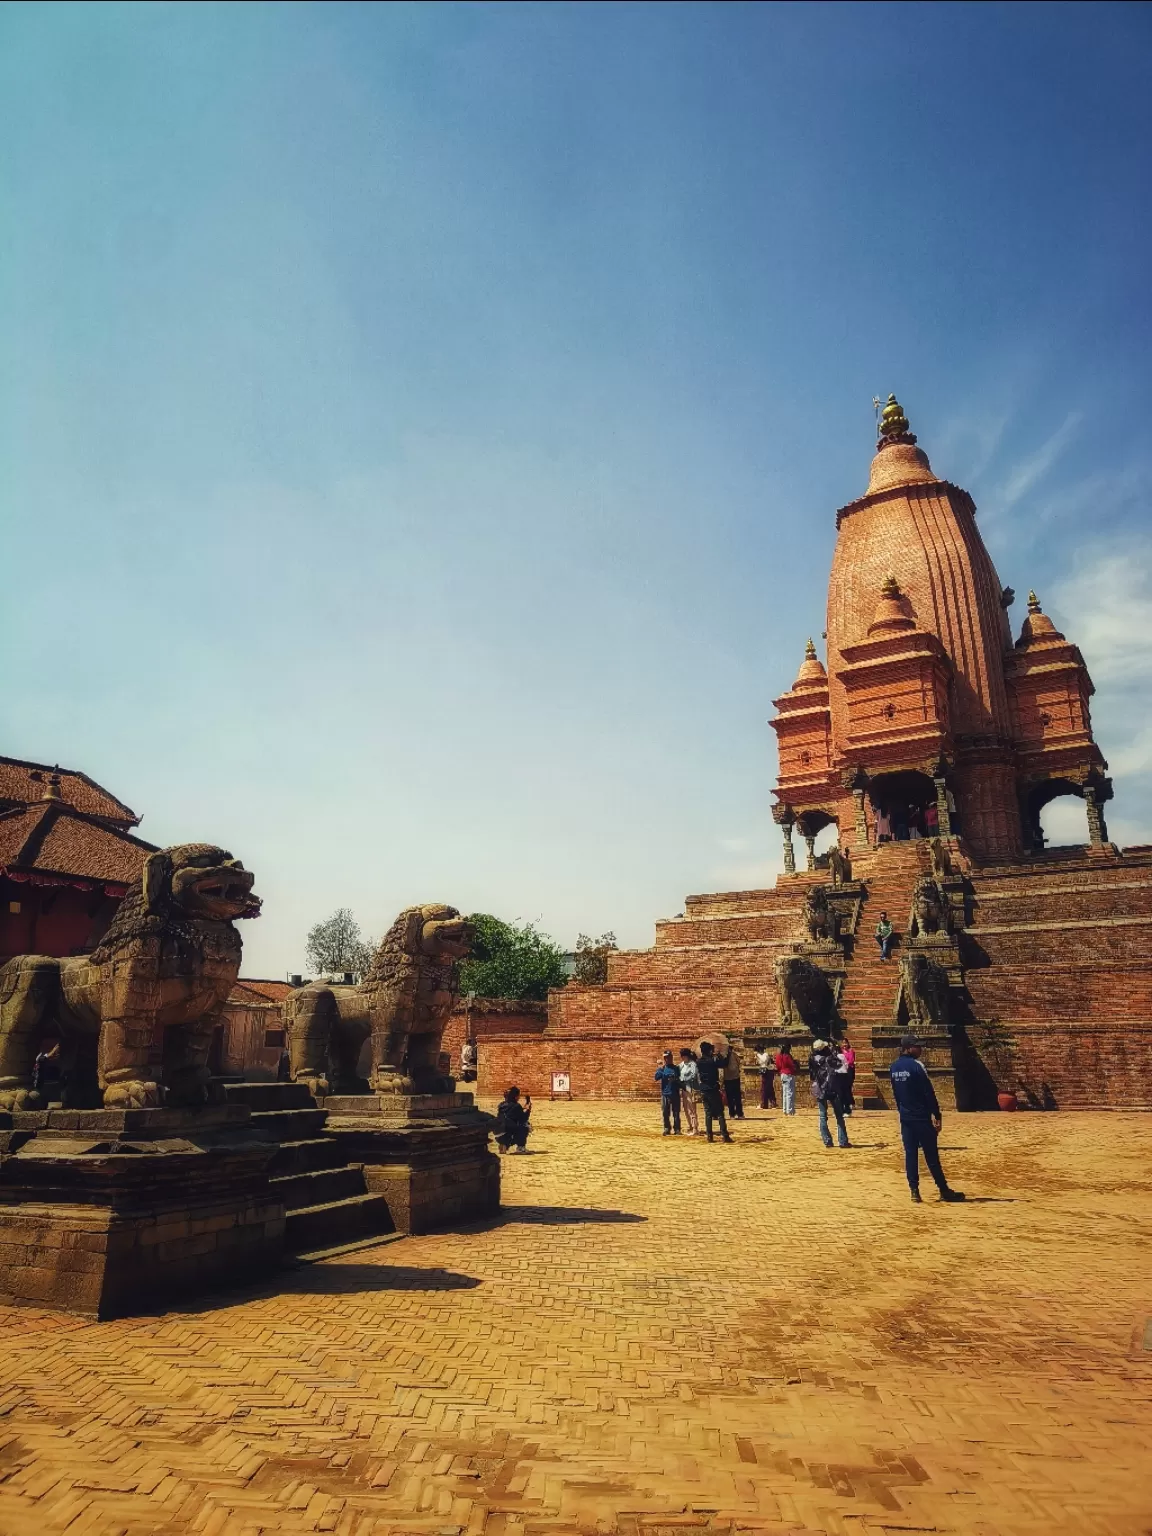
658,1336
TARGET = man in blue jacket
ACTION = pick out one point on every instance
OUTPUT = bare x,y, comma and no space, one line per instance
668,1077
919,1118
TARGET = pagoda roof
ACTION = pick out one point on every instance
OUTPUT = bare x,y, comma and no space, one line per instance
50,843
23,783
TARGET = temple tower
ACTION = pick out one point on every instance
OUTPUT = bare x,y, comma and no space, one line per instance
928,718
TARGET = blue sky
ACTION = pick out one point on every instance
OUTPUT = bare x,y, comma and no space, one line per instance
421,426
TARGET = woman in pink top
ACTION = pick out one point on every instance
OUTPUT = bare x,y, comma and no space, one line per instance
848,1067
786,1070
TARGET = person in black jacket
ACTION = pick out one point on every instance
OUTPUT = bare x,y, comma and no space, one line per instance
829,1087
920,1118
710,1068
512,1126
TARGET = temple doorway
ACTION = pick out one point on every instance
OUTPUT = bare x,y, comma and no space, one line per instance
820,832
1051,820
904,806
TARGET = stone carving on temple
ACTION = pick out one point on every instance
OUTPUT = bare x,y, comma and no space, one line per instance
402,1005
805,996
925,992
931,909
161,974
820,919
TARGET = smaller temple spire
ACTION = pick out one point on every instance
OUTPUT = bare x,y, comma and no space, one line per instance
810,650
1037,625
893,611
893,422
52,787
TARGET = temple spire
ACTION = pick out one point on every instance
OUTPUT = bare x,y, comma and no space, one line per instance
894,424
1033,603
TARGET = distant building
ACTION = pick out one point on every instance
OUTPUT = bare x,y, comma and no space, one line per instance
67,856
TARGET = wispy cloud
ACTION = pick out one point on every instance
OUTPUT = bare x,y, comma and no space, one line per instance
1031,470
1105,607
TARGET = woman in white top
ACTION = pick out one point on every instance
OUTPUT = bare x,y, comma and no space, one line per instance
689,1088
766,1066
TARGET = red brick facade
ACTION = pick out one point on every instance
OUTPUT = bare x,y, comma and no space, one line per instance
927,716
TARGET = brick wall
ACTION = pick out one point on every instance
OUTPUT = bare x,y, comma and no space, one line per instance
492,1016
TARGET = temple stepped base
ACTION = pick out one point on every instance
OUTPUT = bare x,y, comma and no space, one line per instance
111,1212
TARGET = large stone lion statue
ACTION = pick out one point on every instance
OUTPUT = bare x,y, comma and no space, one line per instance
926,992
805,996
403,1004
931,912
158,978
821,921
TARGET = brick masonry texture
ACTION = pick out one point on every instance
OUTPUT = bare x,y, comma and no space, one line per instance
1058,958
656,1338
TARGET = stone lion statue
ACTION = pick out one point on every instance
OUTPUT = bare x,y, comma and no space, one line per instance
159,977
819,918
926,993
931,912
403,1005
805,997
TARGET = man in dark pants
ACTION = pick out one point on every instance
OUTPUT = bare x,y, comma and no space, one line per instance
668,1076
710,1068
919,1118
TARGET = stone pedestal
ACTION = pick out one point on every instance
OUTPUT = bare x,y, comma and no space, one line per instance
427,1154
110,1212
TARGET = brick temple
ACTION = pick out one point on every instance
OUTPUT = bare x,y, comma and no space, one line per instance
930,742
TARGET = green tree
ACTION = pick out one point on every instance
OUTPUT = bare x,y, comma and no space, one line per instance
336,946
592,959
511,960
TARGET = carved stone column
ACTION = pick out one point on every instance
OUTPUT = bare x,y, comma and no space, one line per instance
810,844
789,851
1097,831
784,819
861,819
943,816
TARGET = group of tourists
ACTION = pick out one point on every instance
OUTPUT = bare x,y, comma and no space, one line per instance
709,1080
706,1079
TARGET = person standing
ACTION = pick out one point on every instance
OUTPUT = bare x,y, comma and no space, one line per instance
766,1066
883,827
468,1061
827,1091
733,1083
668,1076
708,1069
786,1071
920,1118
47,1077
885,933
689,1088
847,1068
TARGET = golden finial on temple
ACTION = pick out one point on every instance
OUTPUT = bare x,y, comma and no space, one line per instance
891,587
893,422
810,650
1033,603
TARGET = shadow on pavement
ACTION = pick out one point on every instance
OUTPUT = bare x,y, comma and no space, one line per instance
545,1216
336,1279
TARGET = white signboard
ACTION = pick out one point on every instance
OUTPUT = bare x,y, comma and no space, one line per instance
561,1083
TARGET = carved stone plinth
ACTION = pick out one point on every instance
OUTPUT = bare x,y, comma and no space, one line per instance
111,1212
427,1154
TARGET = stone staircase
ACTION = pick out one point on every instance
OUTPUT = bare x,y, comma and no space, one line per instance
868,1000
329,1206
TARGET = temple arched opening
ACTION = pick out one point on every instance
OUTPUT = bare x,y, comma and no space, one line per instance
903,805
820,831
1051,818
